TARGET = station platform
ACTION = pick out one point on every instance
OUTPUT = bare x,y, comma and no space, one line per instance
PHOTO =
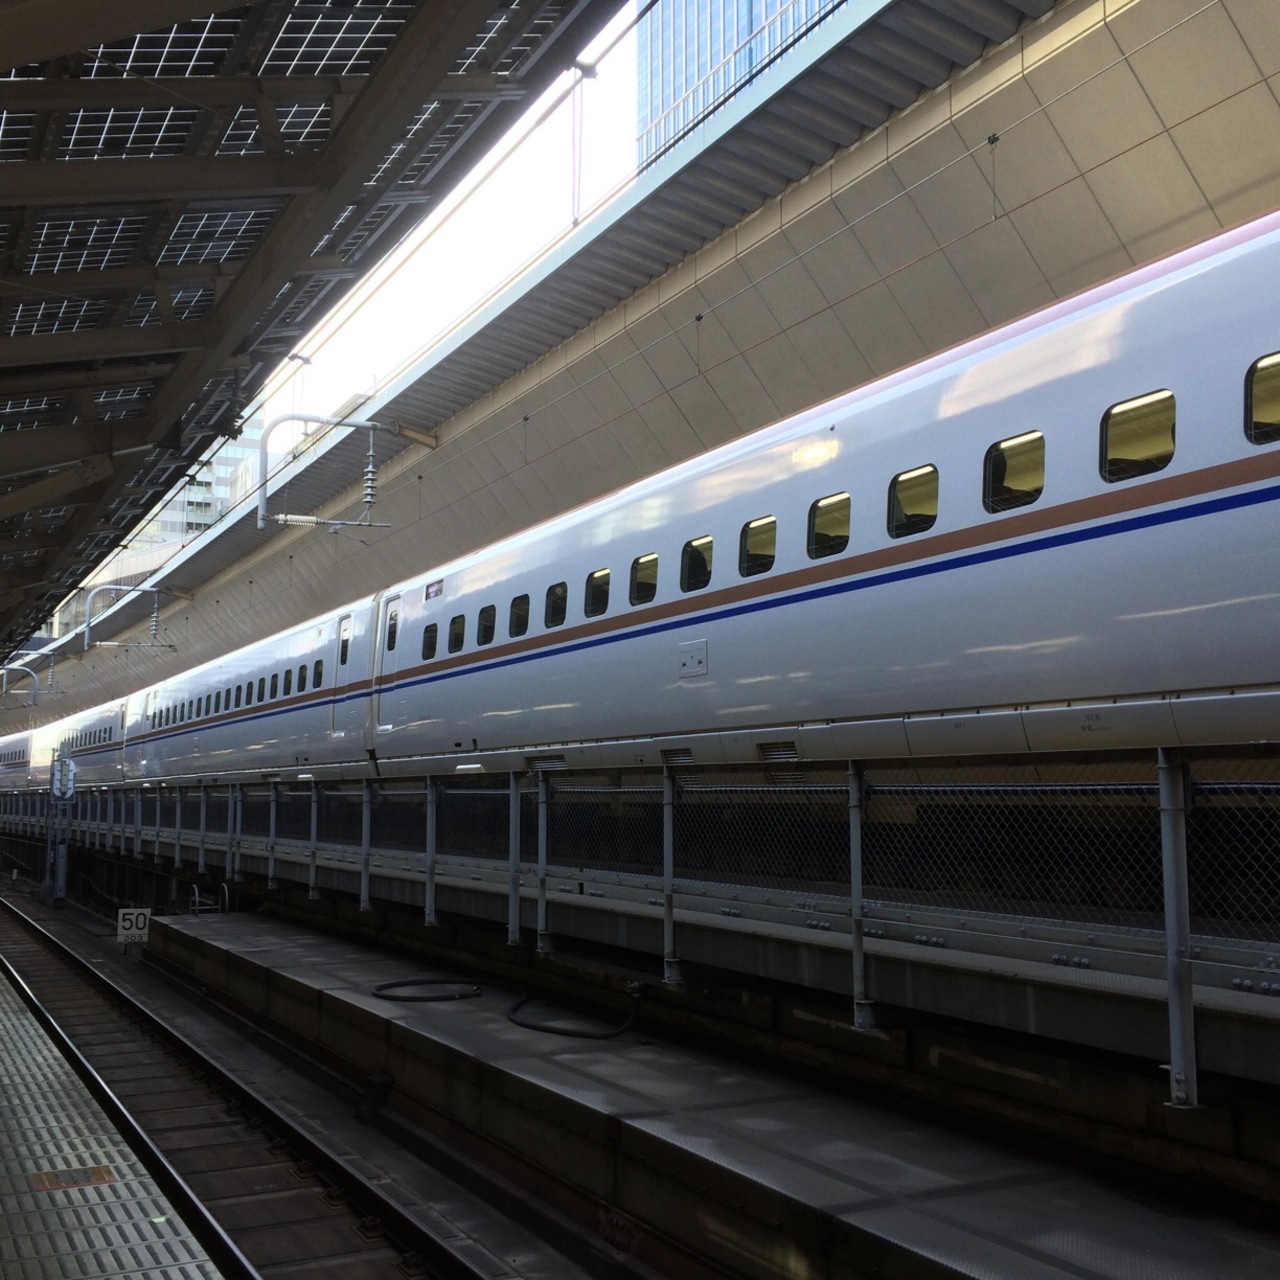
74,1199
760,1174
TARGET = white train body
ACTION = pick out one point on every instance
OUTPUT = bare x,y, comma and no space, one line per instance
1075,612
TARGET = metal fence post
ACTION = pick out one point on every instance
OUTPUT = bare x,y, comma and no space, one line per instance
544,799
1183,1086
366,842
137,822
204,822
429,870
670,964
271,836
230,871
513,859
155,857
177,829
863,1017
313,888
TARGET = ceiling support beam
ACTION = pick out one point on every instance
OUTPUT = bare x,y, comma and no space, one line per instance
54,489
52,447
162,179
103,344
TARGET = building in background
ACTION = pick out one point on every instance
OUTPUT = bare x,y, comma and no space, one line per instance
693,55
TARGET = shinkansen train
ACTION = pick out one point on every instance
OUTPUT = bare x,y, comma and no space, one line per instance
1060,536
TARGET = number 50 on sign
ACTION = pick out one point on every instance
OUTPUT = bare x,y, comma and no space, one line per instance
132,924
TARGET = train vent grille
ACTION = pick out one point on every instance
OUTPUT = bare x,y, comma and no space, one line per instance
545,764
674,757
777,752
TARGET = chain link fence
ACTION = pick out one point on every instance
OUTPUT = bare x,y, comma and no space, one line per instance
1072,843
1233,849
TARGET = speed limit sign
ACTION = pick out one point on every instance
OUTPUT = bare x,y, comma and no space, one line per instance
132,924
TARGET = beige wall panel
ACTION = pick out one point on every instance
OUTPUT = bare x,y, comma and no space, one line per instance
670,427
837,263
880,330
941,308
790,293
634,375
952,196
709,417
1089,251
1100,120
1259,29
1030,157
833,362
1190,66
1233,151
1152,200
999,272
886,223
780,369
744,397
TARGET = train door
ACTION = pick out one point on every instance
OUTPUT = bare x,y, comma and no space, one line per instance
341,675
387,665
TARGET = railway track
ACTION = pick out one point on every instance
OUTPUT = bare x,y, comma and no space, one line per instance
265,1197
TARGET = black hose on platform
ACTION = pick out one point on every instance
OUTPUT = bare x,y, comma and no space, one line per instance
470,994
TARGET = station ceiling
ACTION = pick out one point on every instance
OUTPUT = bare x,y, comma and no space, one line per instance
186,186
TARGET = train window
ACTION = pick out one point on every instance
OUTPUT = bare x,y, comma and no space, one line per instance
644,578
317,673
487,624
557,604
288,681
217,702
430,637
518,618
1137,437
1013,472
275,684
695,564
393,625
302,678
457,632
226,702
757,546
248,693
595,598
913,501
1262,401
344,642
262,688
238,693
828,526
